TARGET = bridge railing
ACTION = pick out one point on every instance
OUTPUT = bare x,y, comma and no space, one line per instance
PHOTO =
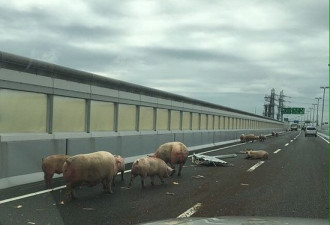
48,109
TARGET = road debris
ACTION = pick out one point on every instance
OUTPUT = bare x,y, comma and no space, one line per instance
198,176
62,203
190,166
244,184
169,193
175,182
90,209
40,209
19,206
31,223
206,160
127,188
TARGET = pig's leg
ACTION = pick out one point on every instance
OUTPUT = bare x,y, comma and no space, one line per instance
70,192
122,175
172,165
152,178
48,179
180,168
113,180
132,178
109,183
161,179
142,180
105,187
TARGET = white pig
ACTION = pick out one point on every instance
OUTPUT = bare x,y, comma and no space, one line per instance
173,153
149,166
50,165
89,169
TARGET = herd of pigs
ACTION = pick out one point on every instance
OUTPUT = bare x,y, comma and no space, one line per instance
102,166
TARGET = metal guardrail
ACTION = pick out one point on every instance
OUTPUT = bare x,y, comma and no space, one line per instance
28,65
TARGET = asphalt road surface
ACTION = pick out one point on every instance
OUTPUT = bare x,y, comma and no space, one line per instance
293,182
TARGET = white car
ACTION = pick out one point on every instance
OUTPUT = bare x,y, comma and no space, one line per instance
311,130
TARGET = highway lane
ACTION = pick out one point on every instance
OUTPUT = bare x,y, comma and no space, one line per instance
293,182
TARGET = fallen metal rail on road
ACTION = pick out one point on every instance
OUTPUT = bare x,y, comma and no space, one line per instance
206,160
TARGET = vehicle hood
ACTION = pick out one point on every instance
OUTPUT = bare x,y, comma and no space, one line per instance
242,221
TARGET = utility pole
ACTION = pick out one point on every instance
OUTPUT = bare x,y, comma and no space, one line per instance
270,103
323,104
317,111
314,112
310,114
280,106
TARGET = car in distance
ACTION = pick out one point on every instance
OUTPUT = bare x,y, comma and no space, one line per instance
311,130
294,127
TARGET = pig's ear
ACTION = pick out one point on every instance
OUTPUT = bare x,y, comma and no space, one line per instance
118,160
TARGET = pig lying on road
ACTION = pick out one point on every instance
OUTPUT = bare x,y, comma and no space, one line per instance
258,154
149,166
89,169
50,165
173,153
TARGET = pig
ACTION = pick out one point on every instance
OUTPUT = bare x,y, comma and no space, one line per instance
120,167
242,138
149,166
258,154
262,137
173,153
250,137
89,169
50,165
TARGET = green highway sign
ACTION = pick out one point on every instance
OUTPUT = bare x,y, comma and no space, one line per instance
286,110
298,111
293,110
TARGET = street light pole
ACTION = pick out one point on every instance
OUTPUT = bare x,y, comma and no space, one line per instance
323,103
314,112
317,111
310,114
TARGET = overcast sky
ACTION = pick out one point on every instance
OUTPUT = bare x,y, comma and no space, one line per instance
227,52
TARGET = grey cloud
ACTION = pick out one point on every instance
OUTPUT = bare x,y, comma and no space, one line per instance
231,76
191,54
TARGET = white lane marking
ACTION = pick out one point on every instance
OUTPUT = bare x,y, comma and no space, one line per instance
38,193
286,144
323,139
190,211
277,151
214,150
255,166
61,187
32,194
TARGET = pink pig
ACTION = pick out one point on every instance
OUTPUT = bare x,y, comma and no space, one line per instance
149,166
89,169
50,165
173,153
